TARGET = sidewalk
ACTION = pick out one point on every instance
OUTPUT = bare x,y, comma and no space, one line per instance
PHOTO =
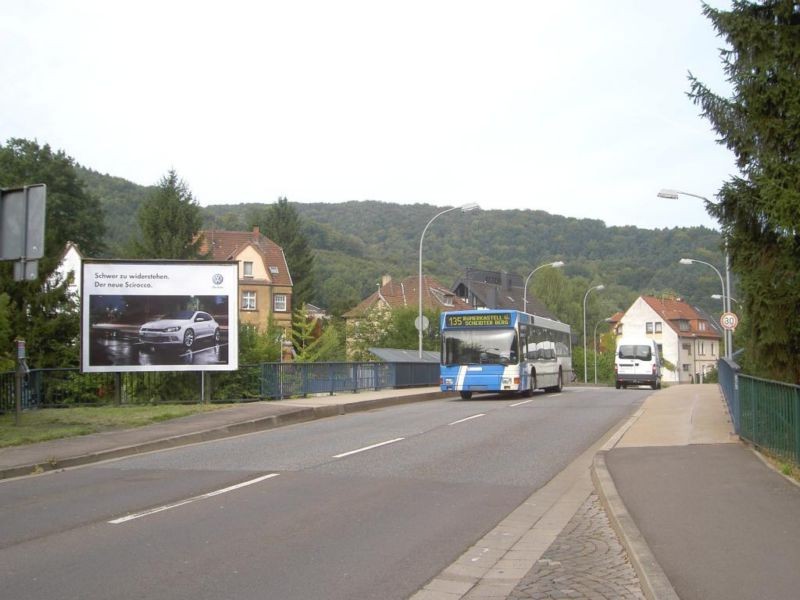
699,506
236,419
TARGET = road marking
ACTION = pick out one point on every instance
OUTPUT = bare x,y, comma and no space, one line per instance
152,511
468,419
519,403
343,454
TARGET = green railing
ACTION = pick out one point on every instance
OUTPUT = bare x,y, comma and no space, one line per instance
53,388
769,415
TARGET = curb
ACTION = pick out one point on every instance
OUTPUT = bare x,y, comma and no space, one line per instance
654,582
299,415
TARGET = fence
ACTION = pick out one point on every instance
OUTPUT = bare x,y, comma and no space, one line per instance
765,413
50,388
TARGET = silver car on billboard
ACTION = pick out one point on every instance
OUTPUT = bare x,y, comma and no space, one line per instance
181,329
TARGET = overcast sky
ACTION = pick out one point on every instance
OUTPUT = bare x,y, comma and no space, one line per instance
576,108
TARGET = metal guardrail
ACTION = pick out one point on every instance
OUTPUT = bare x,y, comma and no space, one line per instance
770,415
765,413
728,371
51,388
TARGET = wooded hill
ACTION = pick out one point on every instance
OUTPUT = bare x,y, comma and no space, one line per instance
355,243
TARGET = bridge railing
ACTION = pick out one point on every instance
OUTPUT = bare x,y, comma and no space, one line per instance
765,413
51,388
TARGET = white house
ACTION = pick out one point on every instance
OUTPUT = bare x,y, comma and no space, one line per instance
686,337
70,266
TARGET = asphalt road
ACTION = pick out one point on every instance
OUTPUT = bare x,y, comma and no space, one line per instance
367,505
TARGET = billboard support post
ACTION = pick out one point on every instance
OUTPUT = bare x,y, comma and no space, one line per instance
118,388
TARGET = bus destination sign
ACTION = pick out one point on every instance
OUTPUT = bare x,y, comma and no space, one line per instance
502,319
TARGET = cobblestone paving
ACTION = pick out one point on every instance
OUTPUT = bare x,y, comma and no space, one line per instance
585,561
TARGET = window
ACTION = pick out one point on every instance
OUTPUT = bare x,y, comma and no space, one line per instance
685,368
701,348
248,268
712,348
688,348
273,270
657,326
279,303
701,325
683,325
248,300
648,327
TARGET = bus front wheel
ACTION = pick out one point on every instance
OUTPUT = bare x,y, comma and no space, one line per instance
466,395
529,392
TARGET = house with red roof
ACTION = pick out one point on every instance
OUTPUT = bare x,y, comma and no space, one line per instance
687,337
265,284
374,312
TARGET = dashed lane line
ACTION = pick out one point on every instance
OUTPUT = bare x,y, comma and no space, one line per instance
158,509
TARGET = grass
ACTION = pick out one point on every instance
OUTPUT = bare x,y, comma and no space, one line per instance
782,465
55,423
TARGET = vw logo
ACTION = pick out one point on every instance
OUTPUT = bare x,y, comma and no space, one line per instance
217,279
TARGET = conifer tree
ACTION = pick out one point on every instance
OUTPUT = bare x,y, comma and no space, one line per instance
759,210
170,220
281,223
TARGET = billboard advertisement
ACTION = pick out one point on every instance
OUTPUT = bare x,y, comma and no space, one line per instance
159,316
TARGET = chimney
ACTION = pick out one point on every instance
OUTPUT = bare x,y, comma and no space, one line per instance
386,279
256,231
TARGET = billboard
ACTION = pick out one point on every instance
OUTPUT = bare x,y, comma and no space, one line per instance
159,316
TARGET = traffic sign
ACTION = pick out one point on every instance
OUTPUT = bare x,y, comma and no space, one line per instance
424,325
729,321
22,213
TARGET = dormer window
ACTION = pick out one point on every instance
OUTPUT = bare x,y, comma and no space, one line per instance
247,268
274,270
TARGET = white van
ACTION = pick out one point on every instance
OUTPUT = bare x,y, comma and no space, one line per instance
637,362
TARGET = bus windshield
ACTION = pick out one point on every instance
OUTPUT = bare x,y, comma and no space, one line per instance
480,346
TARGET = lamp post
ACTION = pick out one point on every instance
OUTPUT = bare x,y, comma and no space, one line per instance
464,208
586,295
595,346
556,265
726,295
723,296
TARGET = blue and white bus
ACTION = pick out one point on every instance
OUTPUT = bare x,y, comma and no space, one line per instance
503,351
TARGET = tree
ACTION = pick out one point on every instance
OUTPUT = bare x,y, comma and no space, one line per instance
401,331
170,220
40,311
367,332
759,211
316,340
281,223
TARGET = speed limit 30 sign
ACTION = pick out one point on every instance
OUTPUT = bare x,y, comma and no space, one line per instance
729,321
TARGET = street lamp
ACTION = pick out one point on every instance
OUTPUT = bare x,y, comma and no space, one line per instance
723,296
726,302
556,265
586,295
717,297
464,208
595,345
